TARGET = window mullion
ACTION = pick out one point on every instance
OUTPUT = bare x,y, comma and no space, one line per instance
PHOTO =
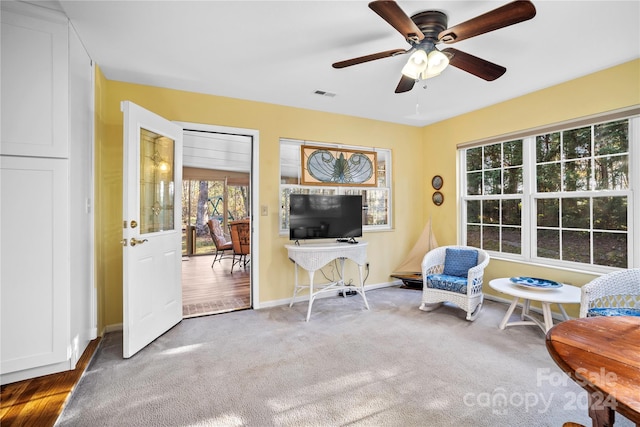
528,202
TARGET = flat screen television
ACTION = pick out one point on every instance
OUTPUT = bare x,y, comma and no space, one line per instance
318,216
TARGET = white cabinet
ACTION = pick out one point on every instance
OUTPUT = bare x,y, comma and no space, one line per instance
47,297
35,262
34,83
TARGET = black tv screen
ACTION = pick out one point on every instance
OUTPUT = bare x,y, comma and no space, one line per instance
317,216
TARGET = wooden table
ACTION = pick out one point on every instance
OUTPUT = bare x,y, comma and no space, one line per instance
601,354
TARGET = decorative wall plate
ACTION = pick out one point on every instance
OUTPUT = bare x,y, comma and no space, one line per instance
437,198
436,182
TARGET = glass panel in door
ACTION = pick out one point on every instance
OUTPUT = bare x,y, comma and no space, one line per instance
157,183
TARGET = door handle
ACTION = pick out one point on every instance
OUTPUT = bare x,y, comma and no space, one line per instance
135,241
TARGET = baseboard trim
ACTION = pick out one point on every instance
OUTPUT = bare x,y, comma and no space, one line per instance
112,328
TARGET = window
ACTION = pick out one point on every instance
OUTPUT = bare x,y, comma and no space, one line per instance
376,200
203,198
494,206
560,198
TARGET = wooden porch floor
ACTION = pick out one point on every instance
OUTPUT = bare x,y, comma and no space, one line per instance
207,290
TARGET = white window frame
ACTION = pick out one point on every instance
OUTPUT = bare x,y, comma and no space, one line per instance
529,194
339,189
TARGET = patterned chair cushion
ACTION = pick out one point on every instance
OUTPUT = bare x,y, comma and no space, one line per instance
613,311
218,236
457,262
447,283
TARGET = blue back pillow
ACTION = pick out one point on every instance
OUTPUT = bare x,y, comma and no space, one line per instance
457,262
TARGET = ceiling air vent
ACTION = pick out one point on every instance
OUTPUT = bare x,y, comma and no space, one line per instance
324,93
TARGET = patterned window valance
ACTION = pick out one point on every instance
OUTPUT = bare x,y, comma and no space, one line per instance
334,166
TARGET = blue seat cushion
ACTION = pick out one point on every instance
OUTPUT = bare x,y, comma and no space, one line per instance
447,283
613,311
457,262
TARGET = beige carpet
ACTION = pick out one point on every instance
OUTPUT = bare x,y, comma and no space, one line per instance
391,366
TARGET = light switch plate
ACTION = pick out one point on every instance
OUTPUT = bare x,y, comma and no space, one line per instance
264,210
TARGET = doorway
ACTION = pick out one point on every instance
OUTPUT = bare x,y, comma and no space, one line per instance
217,184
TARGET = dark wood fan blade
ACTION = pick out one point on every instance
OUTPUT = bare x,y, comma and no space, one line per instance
405,84
391,12
509,14
367,58
474,65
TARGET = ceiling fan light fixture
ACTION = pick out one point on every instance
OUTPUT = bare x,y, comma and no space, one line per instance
416,64
424,66
424,30
437,62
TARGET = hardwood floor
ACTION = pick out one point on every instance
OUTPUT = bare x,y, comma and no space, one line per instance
39,401
205,290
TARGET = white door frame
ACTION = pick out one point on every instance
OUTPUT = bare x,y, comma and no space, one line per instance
255,210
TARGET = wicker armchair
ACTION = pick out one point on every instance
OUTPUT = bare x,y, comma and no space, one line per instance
613,294
463,290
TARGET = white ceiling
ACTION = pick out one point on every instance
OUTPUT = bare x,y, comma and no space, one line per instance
281,52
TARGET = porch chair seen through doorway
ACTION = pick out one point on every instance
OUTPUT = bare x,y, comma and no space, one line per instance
221,242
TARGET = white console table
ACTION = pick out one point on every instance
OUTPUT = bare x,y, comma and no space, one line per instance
314,256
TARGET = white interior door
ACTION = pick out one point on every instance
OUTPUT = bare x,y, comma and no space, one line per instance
152,236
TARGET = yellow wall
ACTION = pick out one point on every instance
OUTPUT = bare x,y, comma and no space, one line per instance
273,122
611,89
418,154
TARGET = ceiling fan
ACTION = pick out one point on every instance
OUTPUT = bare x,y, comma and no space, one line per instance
424,30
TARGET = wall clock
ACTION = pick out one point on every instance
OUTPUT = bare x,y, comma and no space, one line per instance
437,198
436,182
